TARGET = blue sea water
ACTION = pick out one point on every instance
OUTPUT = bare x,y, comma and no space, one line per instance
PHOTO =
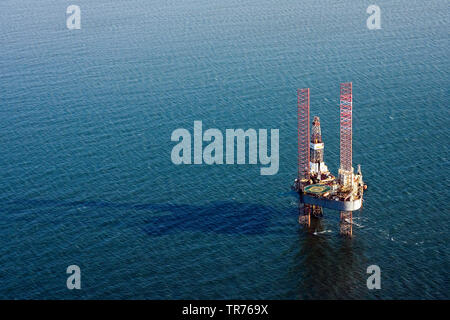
86,176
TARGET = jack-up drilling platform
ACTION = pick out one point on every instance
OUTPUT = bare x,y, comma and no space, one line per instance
317,187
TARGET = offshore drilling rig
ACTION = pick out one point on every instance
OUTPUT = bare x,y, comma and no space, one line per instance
317,187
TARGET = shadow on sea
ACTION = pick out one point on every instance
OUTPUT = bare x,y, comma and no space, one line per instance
227,217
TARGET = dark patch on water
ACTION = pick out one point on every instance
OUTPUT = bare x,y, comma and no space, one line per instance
220,217
225,217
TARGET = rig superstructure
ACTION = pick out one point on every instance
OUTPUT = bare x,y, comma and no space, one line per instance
317,187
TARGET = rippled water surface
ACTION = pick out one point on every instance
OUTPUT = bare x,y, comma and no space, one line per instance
86,176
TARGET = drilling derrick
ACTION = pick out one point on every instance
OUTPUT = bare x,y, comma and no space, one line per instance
317,187
317,135
319,170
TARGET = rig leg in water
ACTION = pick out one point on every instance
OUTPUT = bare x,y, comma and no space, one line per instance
346,223
317,211
304,217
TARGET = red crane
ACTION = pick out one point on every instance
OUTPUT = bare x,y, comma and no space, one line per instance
346,126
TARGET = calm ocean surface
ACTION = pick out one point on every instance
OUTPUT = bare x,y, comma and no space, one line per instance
86,176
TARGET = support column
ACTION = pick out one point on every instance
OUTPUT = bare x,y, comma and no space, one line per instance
317,211
304,217
346,224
